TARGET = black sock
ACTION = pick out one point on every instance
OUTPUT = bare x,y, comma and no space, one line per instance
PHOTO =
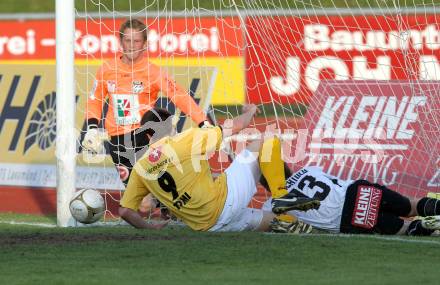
416,229
428,207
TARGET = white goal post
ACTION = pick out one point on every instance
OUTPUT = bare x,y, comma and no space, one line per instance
65,109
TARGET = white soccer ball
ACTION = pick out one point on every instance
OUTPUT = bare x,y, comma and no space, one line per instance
87,206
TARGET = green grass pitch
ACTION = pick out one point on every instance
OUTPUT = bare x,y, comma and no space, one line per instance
177,255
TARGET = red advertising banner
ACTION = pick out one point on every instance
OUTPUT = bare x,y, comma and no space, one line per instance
289,56
382,131
94,38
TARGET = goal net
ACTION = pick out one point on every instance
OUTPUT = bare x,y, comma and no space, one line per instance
353,89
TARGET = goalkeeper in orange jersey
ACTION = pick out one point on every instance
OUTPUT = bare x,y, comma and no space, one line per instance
131,85
175,171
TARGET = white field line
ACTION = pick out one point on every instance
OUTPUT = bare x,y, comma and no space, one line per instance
44,225
97,224
378,237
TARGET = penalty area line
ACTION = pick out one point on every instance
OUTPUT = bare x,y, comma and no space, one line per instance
43,225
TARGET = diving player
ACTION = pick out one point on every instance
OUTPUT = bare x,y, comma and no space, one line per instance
175,170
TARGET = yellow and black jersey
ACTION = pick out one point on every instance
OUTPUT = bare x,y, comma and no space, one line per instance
176,171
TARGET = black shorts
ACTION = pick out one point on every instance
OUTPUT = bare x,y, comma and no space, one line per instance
126,149
381,216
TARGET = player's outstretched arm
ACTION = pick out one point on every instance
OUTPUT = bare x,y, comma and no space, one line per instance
132,198
133,218
181,98
242,121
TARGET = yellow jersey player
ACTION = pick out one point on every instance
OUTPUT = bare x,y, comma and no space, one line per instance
175,170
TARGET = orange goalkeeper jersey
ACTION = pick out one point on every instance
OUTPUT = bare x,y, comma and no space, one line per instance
132,90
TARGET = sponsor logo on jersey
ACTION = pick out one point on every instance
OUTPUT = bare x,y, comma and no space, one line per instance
111,86
124,107
366,207
154,155
160,166
137,87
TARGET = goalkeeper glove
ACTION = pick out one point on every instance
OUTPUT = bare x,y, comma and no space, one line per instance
93,140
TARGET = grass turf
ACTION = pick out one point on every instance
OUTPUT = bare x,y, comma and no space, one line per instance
175,255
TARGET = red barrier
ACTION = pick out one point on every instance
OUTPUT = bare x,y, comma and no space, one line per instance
382,131
96,39
27,200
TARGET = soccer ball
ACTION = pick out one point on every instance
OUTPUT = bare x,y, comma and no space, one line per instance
87,206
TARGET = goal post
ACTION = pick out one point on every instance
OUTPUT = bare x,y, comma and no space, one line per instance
65,109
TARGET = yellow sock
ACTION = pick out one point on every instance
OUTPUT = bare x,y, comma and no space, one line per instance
287,218
272,166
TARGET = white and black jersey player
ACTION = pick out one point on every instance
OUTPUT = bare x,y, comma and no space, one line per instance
360,207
